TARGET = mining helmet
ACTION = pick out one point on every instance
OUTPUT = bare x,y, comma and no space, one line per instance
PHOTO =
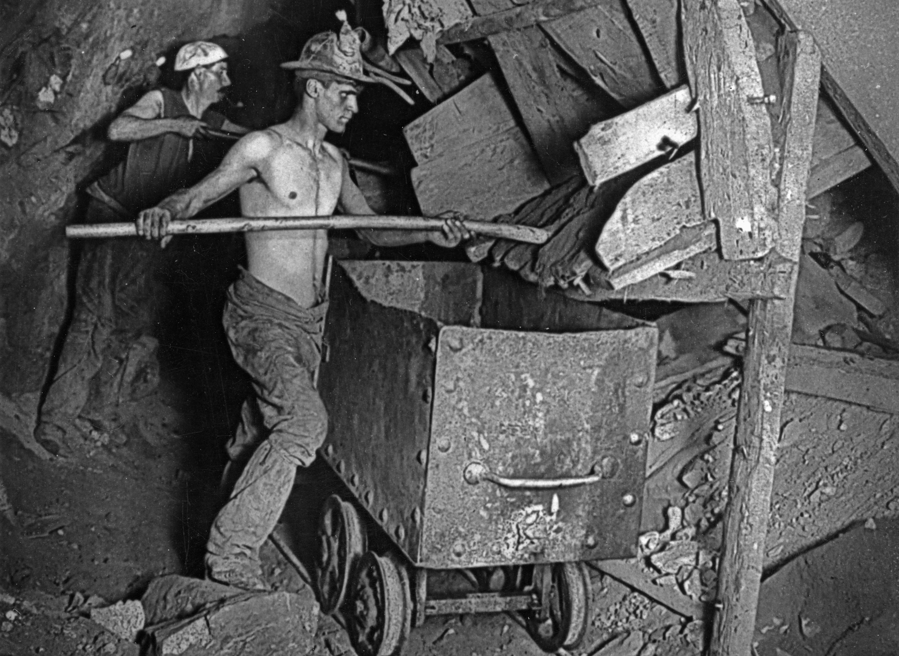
198,53
340,54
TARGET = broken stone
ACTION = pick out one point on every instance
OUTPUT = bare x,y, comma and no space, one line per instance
809,627
870,524
676,555
692,586
125,619
176,638
201,618
176,597
692,478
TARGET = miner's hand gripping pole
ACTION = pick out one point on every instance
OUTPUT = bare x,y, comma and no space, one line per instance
512,232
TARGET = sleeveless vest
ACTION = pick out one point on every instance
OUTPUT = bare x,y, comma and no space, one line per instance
157,167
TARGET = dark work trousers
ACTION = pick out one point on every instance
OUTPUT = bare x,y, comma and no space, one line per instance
278,343
118,292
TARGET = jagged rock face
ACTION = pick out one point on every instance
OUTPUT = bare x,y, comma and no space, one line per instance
66,67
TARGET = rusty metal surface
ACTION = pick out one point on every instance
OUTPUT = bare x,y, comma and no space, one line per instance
447,292
511,303
524,404
540,406
376,383
482,602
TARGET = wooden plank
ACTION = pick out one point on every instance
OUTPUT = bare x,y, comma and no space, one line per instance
686,244
515,18
477,112
659,26
541,96
837,154
656,128
491,177
764,370
830,172
712,280
844,376
752,477
859,49
831,135
652,212
603,41
735,130
857,292
633,575
417,68
799,64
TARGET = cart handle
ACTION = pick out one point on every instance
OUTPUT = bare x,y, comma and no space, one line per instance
477,471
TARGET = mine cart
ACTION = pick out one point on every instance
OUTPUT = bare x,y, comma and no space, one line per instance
480,426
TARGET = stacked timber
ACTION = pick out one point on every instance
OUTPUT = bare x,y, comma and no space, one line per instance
578,92
472,157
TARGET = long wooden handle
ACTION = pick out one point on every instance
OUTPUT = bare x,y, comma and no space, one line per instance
508,231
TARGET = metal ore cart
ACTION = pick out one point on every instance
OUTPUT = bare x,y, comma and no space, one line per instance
483,427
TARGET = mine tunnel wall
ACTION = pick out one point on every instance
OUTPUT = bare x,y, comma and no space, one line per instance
67,67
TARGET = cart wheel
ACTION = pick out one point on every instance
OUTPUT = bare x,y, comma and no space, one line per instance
565,623
342,537
380,610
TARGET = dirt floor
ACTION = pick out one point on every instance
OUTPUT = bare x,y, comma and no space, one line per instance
84,533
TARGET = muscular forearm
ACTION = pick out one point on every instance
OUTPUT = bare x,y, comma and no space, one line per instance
132,128
186,203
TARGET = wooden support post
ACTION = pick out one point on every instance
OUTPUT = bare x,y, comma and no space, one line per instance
858,70
604,43
660,29
536,84
764,370
734,127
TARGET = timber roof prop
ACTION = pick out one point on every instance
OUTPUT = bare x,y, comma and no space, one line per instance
585,126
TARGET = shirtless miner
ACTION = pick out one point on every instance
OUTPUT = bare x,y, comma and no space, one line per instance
274,314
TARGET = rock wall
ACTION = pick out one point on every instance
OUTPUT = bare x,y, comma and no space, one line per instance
67,67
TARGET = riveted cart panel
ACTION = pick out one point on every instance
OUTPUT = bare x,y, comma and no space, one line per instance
545,408
421,393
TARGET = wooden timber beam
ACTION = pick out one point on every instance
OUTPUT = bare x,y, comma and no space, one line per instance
844,376
536,84
653,211
859,48
734,128
416,66
836,155
657,128
516,18
603,41
769,332
659,26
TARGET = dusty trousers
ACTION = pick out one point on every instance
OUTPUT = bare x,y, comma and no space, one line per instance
118,297
278,343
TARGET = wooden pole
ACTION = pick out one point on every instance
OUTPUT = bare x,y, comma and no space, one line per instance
516,18
508,231
764,369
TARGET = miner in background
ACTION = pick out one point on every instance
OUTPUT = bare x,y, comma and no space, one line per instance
117,289
274,314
